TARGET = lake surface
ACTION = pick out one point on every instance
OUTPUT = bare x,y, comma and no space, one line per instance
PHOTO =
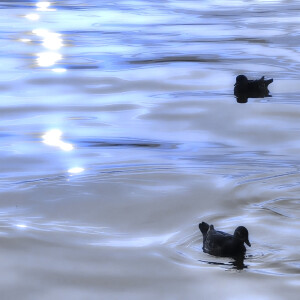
120,133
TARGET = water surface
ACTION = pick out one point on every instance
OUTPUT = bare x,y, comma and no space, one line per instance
119,133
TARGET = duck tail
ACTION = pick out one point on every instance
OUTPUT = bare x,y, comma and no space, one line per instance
267,82
203,228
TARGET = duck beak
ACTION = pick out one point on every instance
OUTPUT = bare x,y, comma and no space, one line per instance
248,243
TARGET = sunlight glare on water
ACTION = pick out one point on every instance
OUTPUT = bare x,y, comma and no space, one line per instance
44,6
53,138
32,17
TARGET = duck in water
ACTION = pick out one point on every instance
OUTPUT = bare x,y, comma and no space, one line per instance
245,88
220,243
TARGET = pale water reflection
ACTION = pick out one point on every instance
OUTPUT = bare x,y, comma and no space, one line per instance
32,17
76,170
51,40
120,132
44,6
53,138
47,59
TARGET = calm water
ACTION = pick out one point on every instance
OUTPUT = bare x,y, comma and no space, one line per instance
119,134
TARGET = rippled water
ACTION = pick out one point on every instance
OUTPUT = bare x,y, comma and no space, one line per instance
119,134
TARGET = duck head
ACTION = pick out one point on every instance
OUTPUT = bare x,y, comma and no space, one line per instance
242,234
241,79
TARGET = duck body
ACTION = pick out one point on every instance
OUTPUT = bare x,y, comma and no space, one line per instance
220,243
251,88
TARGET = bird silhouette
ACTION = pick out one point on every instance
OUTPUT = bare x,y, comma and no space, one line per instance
220,243
245,88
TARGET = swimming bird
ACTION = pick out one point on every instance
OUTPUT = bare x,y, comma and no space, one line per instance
245,88
220,243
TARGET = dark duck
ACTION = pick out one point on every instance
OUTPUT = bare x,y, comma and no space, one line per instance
245,88
220,243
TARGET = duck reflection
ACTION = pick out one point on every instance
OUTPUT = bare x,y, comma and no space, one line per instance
245,88
236,264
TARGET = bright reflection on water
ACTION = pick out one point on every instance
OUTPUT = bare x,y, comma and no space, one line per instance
32,17
22,226
51,40
59,70
119,133
44,6
25,40
75,170
47,59
53,138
